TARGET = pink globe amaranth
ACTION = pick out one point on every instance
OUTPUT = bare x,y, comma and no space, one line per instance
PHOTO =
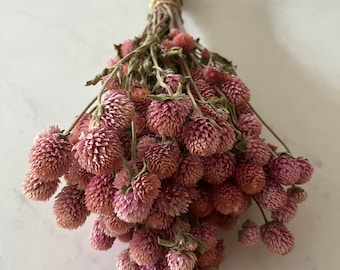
114,226
50,157
218,168
236,91
184,41
207,234
285,213
219,114
246,203
69,207
126,237
126,48
248,124
284,170
257,151
297,194
212,74
124,261
178,260
144,248
197,74
118,110
37,190
113,84
202,206
159,220
99,195
81,127
205,90
306,170
250,234
146,187
174,32
207,259
272,197
99,151
278,239
250,177
227,138
227,198
77,175
173,81
190,171
139,98
166,45
98,239
200,136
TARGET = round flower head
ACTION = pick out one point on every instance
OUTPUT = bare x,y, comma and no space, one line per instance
50,156
113,84
126,237
81,126
140,99
124,261
246,203
272,197
190,171
236,91
207,258
178,260
114,226
144,248
250,234
166,45
278,239
98,239
173,81
250,177
36,190
248,124
197,74
286,213
99,151
202,206
257,151
143,145
227,222
227,198
127,47
219,114
297,194
174,32
166,117
99,195
184,41
218,168
200,136
205,90
306,170
76,175
69,207
146,187
284,170
227,138
159,220
140,123
207,234
212,74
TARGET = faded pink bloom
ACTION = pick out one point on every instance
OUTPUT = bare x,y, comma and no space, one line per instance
143,145
126,237
124,261
202,206
284,170
212,74
140,99
200,136
197,74
177,228
227,198
190,171
184,41
297,194
77,175
166,45
246,203
250,177
207,259
112,62
205,54
118,110
35,189
166,117
159,220
250,234
278,239
204,88
99,151
248,124
99,195
144,248
141,125
69,207
82,126
257,151
113,84
174,32
306,170
219,114
207,234
218,168
127,47
286,213
114,226
98,239
146,187
173,81
178,260
220,251
236,91
50,156
122,179
272,197
227,138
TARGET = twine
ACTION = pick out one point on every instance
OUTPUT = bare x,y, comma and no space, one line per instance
177,3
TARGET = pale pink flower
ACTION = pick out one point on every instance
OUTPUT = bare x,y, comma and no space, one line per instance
166,45
127,47
250,177
141,125
143,145
227,198
69,207
246,203
207,234
144,248
114,226
99,195
297,194
272,197
178,260
98,239
159,220
227,138
122,179
220,114
286,213
220,252
306,170
284,170
77,175
212,74
248,124
81,127
99,151
278,239
37,190
236,91
257,151
50,156
124,261
250,234
190,171
112,62
184,41
146,187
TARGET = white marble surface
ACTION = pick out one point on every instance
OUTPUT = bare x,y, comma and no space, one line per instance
288,52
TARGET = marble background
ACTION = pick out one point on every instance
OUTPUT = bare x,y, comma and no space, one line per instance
288,52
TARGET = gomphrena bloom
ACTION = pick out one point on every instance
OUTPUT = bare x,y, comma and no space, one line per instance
250,234
227,138
146,187
37,190
203,90
98,239
99,150
250,177
207,234
139,98
297,194
228,222
212,74
306,170
69,207
272,197
236,91
76,175
184,41
257,151
178,260
278,239
124,261
114,226
159,220
202,206
190,171
248,124
81,126
227,198
50,156
284,170
286,213
126,48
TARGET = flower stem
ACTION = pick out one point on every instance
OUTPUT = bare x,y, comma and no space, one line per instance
262,212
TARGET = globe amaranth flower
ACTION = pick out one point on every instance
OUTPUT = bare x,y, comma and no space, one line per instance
286,213
76,175
219,114
146,187
212,74
218,168
190,171
306,170
126,48
246,203
69,207
178,260
248,124
50,157
139,98
250,177
144,248
159,220
250,234
124,261
81,126
205,90
297,194
284,170
99,195
37,190
99,151
257,151
227,138
207,234
227,198
202,206
272,197
184,41
126,237
98,239
114,226
278,239
236,91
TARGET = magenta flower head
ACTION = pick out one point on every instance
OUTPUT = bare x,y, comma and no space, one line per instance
278,239
272,197
35,189
200,136
50,156
139,98
190,171
184,41
178,260
124,261
236,91
144,248
297,194
219,114
205,90
286,213
306,170
98,239
99,195
212,74
227,198
284,170
146,187
248,124
99,151
257,151
227,138
250,234
250,177
118,110
69,207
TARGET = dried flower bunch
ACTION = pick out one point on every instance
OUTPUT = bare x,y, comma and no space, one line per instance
168,152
